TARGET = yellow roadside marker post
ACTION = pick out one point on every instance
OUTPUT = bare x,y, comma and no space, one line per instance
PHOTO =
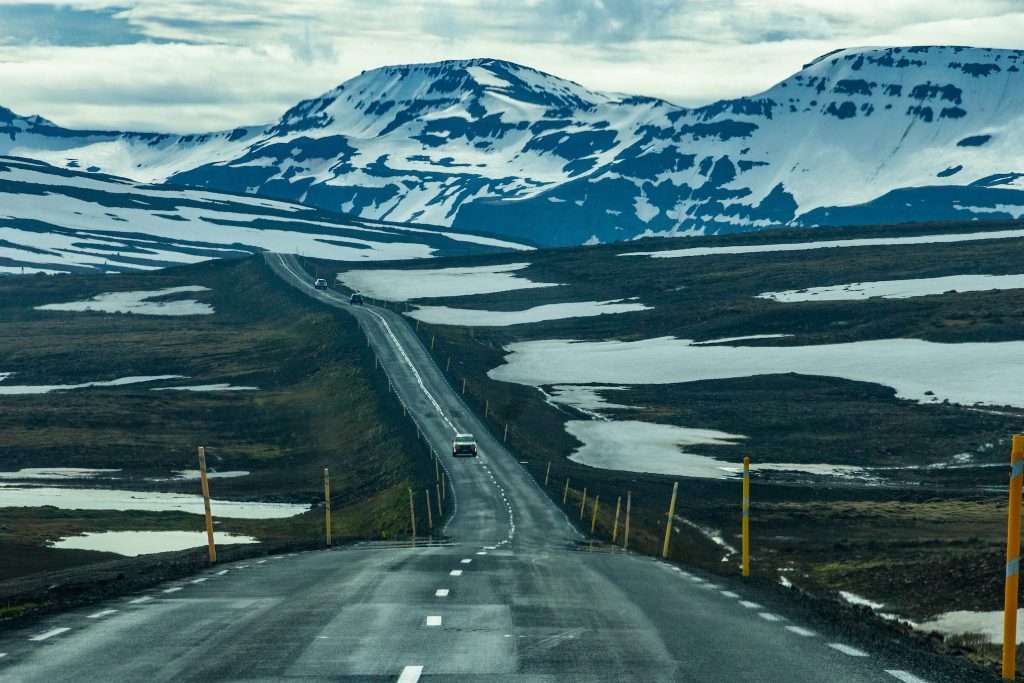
430,514
615,526
439,510
547,473
205,483
583,501
444,487
327,507
668,521
593,516
746,516
625,529
412,517
565,491
1012,560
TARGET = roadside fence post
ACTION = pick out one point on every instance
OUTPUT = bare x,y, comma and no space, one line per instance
440,512
430,515
433,338
448,366
565,491
327,508
412,516
444,486
615,525
668,521
504,437
487,408
1012,560
547,473
583,501
746,516
593,516
463,386
625,529
437,469
205,484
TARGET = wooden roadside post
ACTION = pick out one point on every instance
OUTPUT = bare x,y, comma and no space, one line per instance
430,515
444,487
615,525
440,512
583,501
625,529
593,516
412,516
668,521
433,338
746,516
1012,560
448,366
565,491
504,437
547,473
205,484
463,386
327,507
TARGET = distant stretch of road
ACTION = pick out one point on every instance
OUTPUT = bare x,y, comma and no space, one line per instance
515,595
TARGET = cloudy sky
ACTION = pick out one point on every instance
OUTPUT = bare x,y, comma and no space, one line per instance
194,65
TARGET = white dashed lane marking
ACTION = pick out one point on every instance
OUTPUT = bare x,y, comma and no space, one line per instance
2,655
50,634
222,572
199,580
730,594
434,620
768,616
904,676
172,589
410,674
847,650
455,572
441,593
800,631
139,601
466,560
104,613
750,605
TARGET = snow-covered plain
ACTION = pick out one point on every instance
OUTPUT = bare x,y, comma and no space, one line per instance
968,373
635,446
27,496
139,303
134,543
25,389
469,317
404,285
898,289
831,244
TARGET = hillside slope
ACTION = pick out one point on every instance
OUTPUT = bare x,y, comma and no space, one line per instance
59,220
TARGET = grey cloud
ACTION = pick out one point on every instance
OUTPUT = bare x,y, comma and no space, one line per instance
40,24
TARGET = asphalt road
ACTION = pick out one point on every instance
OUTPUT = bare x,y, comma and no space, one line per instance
517,595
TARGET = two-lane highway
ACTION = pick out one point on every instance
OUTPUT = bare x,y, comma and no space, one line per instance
512,597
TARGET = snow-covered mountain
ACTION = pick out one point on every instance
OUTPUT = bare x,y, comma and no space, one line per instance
866,135
62,220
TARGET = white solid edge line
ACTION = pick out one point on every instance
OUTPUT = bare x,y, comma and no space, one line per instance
904,676
101,614
50,634
800,631
847,650
434,620
441,593
410,674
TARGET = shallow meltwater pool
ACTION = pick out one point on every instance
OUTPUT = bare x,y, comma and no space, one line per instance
133,543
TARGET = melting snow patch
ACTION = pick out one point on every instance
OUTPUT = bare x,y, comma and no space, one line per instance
586,399
207,387
133,543
15,390
972,373
988,624
138,303
403,285
55,473
468,317
899,289
22,496
830,244
635,446
194,474
726,340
